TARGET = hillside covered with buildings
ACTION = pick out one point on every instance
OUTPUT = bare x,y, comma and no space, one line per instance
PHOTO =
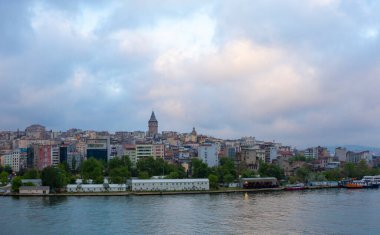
179,155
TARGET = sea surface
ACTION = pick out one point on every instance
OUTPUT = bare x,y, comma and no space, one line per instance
327,211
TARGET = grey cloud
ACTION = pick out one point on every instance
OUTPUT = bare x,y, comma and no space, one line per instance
336,103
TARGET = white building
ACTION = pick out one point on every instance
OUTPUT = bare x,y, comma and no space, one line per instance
15,160
272,153
54,155
208,154
311,152
143,151
34,190
169,184
95,188
130,151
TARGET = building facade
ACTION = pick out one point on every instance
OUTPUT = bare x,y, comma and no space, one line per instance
99,148
169,184
208,154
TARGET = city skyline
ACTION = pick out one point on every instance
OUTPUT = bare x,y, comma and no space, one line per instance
300,73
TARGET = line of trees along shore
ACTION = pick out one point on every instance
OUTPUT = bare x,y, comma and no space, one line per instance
117,170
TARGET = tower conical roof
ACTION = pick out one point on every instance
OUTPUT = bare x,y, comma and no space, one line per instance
153,117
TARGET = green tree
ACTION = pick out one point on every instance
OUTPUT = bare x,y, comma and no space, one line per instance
172,175
119,162
333,174
292,179
31,174
8,169
228,178
66,173
228,165
302,174
213,180
143,175
16,183
3,178
93,169
349,170
53,177
199,169
157,167
119,175
271,170
362,169
181,172
225,168
247,173
147,165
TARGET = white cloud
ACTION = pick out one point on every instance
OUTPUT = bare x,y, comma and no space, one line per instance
296,71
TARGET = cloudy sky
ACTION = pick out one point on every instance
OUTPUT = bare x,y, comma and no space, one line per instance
303,73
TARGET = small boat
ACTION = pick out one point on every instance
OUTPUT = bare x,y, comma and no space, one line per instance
290,187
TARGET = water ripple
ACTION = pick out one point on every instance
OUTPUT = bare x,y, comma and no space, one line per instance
335,211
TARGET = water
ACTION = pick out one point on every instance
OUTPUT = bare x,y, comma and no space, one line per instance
330,211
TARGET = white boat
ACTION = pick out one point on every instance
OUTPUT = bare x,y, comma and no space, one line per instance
290,187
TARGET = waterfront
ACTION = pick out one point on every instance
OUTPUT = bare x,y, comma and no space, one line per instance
330,211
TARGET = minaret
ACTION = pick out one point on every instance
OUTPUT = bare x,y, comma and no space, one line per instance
152,125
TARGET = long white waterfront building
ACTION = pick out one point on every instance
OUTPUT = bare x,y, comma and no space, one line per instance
169,184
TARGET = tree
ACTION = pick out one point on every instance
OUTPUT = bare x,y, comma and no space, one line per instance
119,175
247,173
228,165
362,169
118,162
226,168
302,174
172,175
146,165
53,177
16,183
333,174
8,169
143,175
31,174
213,179
271,170
92,169
3,177
199,169
158,167
228,178
349,170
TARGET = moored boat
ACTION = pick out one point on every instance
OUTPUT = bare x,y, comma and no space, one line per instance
290,187
374,180
357,184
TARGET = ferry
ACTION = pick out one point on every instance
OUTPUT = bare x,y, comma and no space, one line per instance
290,187
372,179
356,184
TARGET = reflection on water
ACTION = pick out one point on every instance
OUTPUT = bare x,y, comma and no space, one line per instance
334,211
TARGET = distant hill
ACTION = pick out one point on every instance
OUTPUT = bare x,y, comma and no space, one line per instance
356,148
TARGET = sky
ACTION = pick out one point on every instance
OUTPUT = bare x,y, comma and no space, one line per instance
303,73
